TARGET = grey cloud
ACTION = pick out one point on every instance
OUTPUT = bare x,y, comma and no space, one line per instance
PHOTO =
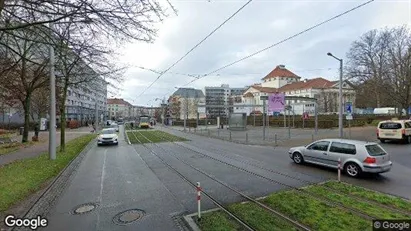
255,28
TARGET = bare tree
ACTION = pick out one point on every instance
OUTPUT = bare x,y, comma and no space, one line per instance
26,61
379,62
38,108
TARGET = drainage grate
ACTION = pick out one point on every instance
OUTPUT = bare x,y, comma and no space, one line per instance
128,216
84,208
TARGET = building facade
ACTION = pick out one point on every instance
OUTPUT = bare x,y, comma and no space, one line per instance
119,108
185,100
281,80
222,95
83,102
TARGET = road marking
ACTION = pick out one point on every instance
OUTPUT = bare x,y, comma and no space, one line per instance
100,199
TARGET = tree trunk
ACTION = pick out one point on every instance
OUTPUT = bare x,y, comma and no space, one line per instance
26,107
63,118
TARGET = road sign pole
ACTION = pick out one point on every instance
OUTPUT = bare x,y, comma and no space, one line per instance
264,119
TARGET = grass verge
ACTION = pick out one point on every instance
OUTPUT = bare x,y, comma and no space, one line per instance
21,178
305,209
388,200
11,147
154,136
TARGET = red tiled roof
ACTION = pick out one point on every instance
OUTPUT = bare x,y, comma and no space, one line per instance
118,101
317,83
280,71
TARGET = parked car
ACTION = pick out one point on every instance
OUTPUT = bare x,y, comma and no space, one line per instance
115,127
356,156
399,130
107,136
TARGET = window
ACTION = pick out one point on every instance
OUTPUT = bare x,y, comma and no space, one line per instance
375,150
407,125
319,146
343,148
390,125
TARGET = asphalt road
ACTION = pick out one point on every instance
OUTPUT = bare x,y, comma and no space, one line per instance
124,177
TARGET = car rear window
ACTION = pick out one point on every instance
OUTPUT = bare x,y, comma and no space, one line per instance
375,150
390,125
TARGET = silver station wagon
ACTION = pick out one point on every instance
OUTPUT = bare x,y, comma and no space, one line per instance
356,156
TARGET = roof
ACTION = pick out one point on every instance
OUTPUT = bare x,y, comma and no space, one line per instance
248,94
348,141
118,101
265,89
317,83
189,92
280,71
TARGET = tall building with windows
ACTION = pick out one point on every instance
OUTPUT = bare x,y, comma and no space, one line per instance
119,108
222,95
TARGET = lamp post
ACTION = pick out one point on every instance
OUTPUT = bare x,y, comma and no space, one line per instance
52,128
340,97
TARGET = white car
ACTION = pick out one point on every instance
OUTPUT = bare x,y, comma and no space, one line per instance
108,136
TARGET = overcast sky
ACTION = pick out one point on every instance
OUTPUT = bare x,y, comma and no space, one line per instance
260,24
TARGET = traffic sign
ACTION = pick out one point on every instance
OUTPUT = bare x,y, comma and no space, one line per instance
348,107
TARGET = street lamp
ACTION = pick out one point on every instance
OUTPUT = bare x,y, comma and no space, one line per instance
340,97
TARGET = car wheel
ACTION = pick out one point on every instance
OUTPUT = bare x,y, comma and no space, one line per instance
352,169
408,139
382,141
298,158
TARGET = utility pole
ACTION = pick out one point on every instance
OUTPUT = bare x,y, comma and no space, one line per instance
52,129
340,105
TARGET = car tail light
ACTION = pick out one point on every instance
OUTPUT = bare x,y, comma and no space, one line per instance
370,160
403,131
377,133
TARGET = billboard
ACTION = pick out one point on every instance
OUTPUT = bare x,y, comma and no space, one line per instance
276,102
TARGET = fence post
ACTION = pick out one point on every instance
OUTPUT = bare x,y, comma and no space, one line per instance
246,137
275,139
339,169
199,200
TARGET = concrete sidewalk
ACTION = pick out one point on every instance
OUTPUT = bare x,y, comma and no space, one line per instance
37,149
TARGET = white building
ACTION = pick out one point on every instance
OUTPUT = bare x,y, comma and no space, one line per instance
119,108
185,100
281,80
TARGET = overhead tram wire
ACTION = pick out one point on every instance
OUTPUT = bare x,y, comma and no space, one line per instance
198,44
282,41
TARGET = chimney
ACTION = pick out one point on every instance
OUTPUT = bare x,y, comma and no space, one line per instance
281,66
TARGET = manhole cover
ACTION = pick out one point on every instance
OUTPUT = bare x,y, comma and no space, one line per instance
84,208
128,216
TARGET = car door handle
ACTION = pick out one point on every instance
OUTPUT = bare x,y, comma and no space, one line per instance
324,153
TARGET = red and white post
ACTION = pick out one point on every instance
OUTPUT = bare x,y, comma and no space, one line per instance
199,200
339,169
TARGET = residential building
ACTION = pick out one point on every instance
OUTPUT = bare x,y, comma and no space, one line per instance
119,108
185,100
222,95
83,101
282,80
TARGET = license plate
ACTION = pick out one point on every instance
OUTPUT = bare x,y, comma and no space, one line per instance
389,134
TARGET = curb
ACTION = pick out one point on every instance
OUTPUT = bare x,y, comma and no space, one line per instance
190,221
46,200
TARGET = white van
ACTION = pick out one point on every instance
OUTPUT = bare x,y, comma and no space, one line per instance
399,130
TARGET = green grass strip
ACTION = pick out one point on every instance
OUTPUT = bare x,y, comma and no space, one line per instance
379,197
154,136
21,178
314,213
217,221
371,210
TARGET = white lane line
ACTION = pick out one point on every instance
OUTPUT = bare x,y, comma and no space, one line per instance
100,198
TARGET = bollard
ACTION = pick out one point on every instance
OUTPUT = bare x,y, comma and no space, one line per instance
312,137
339,169
198,201
246,137
230,136
275,139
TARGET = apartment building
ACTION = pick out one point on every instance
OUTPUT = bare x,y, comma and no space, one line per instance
222,95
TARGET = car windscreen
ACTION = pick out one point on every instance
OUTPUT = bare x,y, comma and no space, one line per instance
375,150
108,131
390,125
